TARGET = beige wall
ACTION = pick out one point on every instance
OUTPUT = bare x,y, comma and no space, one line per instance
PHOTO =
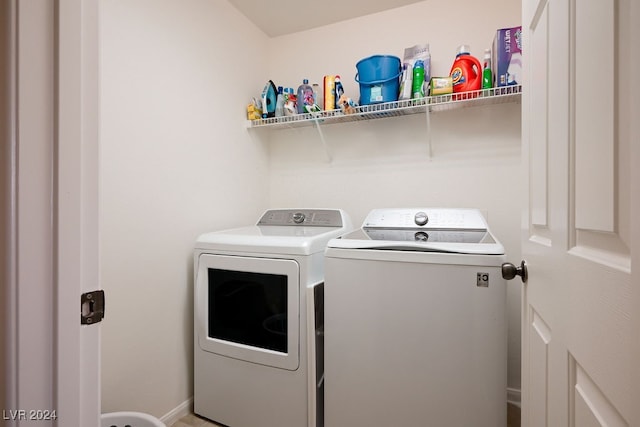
176,161
475,158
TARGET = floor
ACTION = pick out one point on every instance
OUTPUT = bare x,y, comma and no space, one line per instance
192,420
513,419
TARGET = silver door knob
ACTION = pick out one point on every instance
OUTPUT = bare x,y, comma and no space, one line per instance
510,271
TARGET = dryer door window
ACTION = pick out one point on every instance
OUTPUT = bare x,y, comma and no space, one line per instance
248,308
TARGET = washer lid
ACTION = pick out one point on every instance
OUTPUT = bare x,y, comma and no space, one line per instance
282,231
423,229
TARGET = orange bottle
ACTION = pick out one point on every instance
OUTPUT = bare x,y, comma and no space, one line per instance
466,71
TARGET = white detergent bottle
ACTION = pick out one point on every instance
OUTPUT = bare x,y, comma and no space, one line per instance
407,82
317,98
280,103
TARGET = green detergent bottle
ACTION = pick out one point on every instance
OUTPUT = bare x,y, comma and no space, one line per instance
417,86
487,75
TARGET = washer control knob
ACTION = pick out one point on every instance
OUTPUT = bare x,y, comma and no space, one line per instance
421,218
298,217
421,236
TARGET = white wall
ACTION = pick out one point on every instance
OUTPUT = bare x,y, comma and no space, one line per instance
475,158
176,161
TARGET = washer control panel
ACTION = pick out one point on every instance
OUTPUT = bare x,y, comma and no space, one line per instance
302,217
431,218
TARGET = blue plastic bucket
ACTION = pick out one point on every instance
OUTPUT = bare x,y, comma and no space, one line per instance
379,79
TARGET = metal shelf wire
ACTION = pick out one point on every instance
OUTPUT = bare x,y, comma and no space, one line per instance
498,95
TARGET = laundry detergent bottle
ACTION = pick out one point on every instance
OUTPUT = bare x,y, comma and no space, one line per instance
466,71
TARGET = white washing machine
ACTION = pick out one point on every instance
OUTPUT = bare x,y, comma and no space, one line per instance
415,322
258,319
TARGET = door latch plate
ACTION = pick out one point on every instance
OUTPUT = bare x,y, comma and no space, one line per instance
91,307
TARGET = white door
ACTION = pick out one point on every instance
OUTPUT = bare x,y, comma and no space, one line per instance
580,148
50,367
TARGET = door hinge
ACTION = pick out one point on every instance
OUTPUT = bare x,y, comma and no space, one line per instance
91,307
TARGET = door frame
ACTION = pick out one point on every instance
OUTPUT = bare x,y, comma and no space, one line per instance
8,360
49,204
635,205
76,201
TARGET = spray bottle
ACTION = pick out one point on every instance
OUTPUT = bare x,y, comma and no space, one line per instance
418,80
407,82
487,74
280,103
317,97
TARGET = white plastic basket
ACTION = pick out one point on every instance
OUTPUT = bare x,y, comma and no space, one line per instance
129,419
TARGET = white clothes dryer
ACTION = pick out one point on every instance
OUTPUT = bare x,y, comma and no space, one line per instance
415,322
258,319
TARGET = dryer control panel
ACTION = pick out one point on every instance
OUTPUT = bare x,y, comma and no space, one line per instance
303,217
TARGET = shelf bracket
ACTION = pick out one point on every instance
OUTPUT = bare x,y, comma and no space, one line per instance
324,142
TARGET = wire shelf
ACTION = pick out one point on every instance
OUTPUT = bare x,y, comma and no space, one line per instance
498,95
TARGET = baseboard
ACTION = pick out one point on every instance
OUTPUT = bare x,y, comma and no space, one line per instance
185,408
513,396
